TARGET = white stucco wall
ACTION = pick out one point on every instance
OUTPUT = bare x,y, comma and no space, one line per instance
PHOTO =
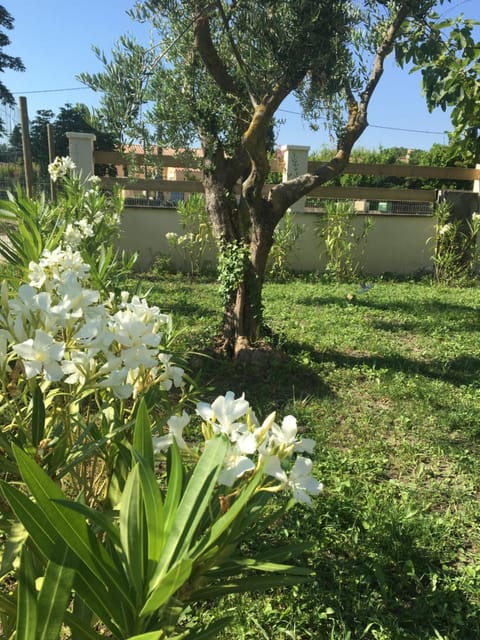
395,244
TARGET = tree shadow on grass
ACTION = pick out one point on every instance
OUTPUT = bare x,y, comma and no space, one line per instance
376,565
399,588
462,370
185,308
463,317
269,378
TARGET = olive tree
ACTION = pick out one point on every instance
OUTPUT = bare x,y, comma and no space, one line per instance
217,76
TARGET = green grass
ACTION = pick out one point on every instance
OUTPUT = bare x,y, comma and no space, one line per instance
389,387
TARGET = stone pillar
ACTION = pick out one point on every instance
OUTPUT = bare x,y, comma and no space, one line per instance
295,160
476,188
80,147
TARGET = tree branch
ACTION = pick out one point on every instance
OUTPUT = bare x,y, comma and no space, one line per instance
214,64
383,51
254,140
284,195
241,64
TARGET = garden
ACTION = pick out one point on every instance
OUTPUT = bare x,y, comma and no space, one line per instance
325,486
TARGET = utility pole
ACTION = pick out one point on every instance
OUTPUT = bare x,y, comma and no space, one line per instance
51,157
27,149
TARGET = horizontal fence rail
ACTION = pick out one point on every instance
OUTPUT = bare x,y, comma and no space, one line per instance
397,243
358,168
193,184
405,171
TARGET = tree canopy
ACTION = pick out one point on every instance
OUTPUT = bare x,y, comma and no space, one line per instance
447,53
218,74
7,61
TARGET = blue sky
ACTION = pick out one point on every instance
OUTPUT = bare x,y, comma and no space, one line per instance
54,40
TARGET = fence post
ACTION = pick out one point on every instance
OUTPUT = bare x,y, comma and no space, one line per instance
476,188
295,160
80,149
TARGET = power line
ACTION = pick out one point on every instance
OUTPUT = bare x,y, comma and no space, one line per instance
296,113
435,133
379,126
455,6
24,93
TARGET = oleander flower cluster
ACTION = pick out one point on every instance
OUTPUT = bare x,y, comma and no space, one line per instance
60,167
61,330
445,228
274,447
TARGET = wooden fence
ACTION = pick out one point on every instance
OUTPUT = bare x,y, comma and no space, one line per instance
179,164
400,243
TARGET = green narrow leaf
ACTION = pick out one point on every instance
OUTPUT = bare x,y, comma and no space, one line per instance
211,632
281,554
248,583
174,485
97,517
32,518
38,417
94,591
27,613
104,605
142,434
72,528
55,593
196,498
169,584
68,525
150,635
154,514
133,529
242,564
82,613
8,606
17,535
81,630
222,524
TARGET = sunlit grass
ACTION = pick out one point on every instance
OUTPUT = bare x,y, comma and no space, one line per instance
389,387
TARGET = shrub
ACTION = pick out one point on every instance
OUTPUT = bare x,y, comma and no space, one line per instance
340,239
124,511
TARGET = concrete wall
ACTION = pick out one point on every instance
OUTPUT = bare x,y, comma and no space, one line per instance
395,244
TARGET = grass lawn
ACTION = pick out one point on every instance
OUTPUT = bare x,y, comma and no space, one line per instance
389,387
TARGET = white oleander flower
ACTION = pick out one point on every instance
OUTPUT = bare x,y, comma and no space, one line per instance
235,466
85,228
284,437
176,426
78,368
72,236
300,481
225,410
60,167
172,375
172,238
41,355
